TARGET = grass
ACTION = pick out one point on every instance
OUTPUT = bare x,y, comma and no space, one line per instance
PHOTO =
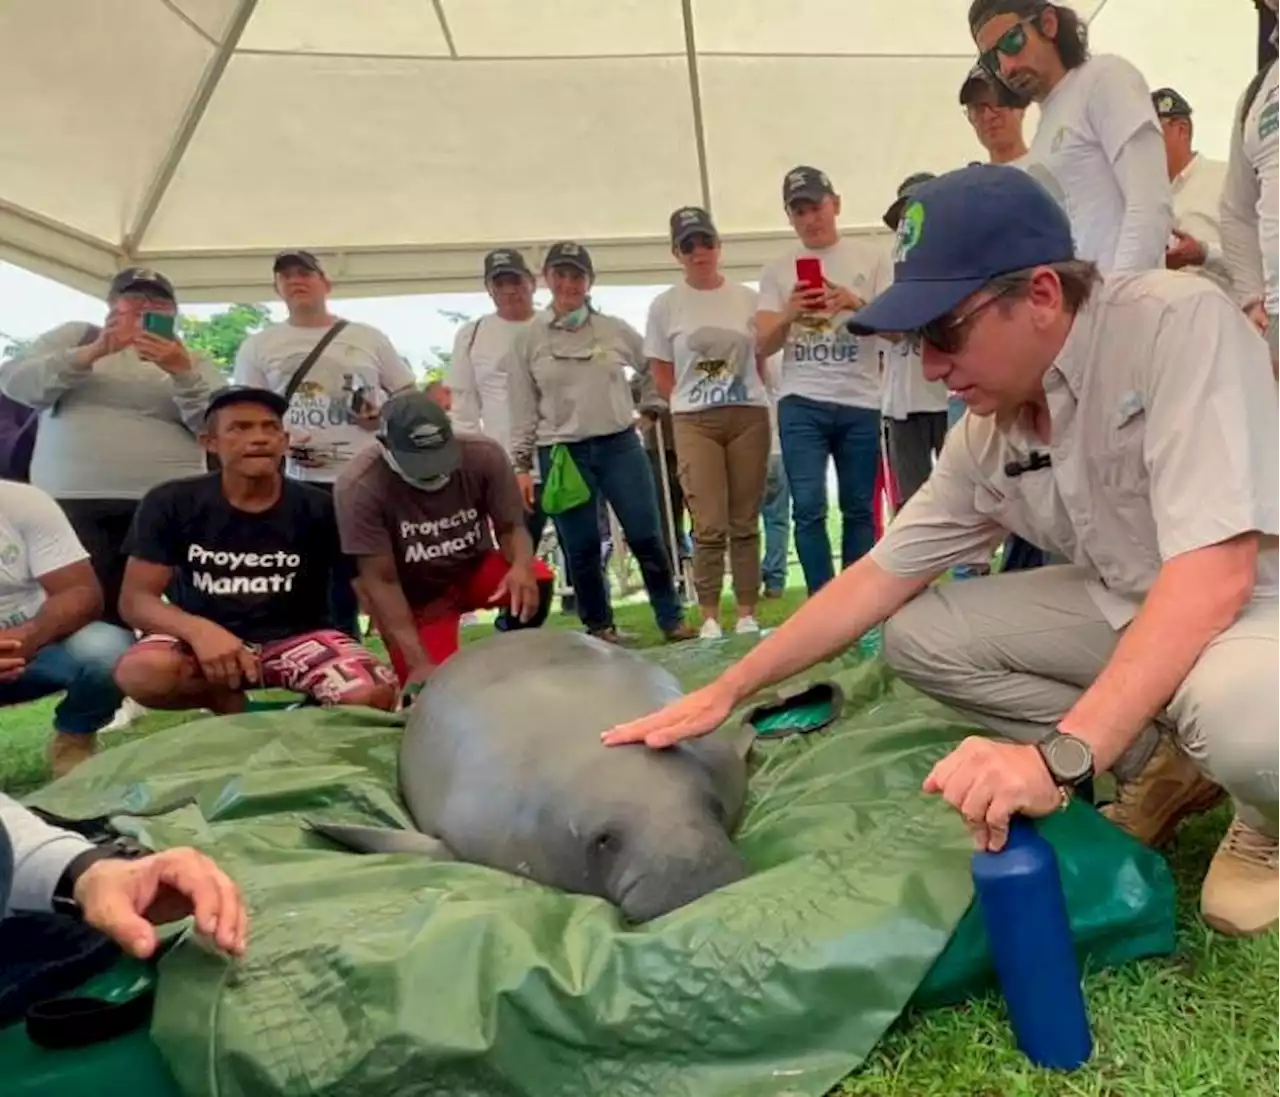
1199,1023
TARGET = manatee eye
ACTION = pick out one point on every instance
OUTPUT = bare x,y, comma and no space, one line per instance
606,842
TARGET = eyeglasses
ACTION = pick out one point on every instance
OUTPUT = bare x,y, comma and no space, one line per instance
690,244
946,334
1009,44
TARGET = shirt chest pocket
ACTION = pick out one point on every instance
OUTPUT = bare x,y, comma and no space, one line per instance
1122,467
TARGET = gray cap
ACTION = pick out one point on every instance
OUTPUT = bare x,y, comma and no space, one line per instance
803,183
691,221
1170,104
416,433
569,253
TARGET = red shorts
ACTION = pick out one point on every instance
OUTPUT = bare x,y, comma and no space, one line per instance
439,624
327,664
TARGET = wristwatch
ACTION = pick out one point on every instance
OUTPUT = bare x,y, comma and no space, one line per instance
64,891
1069,760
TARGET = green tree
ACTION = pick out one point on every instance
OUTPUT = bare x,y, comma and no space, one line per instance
438,359
220,336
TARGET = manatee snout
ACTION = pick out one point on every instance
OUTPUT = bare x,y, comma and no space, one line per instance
654,880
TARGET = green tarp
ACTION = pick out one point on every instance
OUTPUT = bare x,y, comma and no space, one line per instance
373,975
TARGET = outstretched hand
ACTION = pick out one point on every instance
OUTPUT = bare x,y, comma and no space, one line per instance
699,713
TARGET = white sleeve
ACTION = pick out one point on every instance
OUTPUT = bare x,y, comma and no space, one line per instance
657,331
522,393
47,533
1143,176
248,367
461,379
394,373
1238,219
41,854
772,299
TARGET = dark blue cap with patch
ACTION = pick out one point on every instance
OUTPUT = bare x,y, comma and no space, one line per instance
957,233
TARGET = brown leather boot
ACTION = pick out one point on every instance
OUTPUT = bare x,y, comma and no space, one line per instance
66,751
680,633
1169,788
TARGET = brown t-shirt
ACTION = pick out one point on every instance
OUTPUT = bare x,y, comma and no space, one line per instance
436,537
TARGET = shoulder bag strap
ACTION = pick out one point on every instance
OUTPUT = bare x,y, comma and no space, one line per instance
300,374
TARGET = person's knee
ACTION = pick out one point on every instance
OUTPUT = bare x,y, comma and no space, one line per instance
917,640
151,674
97,648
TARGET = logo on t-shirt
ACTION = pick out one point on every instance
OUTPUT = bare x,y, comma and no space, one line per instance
216,571
439,538
716,371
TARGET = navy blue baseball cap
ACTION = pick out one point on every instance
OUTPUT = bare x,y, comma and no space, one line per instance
957,233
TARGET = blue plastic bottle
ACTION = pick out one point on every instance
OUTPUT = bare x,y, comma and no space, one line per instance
1025,913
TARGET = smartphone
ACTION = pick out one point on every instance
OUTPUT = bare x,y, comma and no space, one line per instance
809,272
162,324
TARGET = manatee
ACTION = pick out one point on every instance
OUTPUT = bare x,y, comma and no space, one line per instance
501,764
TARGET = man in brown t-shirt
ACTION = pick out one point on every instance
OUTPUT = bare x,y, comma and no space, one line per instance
420,512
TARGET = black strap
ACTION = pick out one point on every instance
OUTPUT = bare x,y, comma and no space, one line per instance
300,374
475,330
1251,92
77,1022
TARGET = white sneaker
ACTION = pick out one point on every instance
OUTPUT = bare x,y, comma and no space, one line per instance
746,626
125,715
710,630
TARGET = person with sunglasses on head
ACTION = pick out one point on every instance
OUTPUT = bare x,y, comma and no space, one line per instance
569,388
700,339
1128,424
829,396
1097,139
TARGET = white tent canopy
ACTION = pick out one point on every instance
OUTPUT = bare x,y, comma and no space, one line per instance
400,139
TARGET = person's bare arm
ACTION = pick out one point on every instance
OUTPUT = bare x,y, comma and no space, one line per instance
142,603
771,332
381,586
73,599
1196,596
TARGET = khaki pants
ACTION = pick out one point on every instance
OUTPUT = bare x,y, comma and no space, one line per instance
723,457
1015,651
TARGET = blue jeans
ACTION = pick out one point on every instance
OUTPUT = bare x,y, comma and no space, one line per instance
775,512
813,432
82,664
616,469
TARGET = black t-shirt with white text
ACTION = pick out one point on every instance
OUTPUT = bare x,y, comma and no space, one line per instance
262,576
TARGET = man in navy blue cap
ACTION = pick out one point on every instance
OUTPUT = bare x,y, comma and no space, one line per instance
1127,425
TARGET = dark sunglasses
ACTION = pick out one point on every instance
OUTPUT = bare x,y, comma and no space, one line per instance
1009,44
690,244
946,334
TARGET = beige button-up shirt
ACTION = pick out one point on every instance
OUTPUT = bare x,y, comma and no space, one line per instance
1163,440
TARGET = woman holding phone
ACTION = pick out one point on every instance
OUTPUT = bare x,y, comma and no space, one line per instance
700,340
570,396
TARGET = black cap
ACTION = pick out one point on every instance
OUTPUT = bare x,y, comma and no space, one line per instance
141,278
505,261
807,183
418,437
691,221
299,258
979,81
905,189
1169,104
568,253
247,394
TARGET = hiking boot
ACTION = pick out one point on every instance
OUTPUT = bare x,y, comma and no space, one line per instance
610,635
66,751
680,633
1169,788
1241,891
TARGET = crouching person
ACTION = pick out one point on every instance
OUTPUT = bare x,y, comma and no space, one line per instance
228,578
420,512
50,637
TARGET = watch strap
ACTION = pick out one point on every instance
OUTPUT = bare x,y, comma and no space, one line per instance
63,900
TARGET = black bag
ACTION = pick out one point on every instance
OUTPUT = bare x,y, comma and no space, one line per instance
18,426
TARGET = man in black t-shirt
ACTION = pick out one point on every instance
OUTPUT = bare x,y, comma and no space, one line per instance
245,558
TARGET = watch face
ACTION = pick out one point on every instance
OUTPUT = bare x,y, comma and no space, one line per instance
1069,759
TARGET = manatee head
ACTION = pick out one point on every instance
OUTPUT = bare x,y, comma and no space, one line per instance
655,835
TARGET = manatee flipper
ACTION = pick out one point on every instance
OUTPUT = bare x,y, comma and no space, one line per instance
383,840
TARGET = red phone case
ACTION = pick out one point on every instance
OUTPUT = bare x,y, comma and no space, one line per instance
809,272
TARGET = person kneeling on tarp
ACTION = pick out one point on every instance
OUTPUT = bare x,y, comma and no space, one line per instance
123,892
420,512
245,558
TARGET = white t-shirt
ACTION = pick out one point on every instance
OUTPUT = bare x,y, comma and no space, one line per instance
359,358
35,539
904,390
477,377
820,359
1250,207
709,336
1084,124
